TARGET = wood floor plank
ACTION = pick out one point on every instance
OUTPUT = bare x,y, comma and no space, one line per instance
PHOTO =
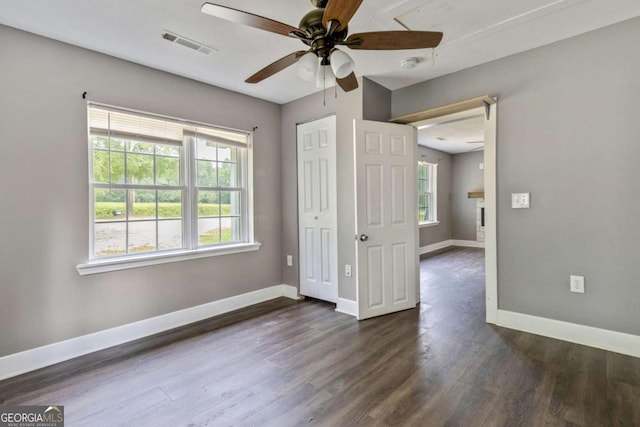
292,363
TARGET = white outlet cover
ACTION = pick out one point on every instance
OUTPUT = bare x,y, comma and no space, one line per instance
520,200
576,284
347,270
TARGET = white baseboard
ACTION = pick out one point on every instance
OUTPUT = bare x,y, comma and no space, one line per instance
580,334
467,243
448,243
347,306
30,360
291,292
435,247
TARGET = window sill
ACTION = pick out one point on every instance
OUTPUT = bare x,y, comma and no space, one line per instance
428,224
106,265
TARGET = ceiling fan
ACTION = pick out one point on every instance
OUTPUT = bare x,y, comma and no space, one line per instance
322,30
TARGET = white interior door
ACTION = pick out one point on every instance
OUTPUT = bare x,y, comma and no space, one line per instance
317,212
386,218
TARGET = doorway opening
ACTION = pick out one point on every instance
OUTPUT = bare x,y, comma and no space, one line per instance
463,135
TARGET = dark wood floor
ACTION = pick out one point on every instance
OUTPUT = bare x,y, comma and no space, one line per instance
287,363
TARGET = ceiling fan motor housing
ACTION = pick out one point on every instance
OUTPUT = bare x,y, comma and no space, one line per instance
311,24
319,3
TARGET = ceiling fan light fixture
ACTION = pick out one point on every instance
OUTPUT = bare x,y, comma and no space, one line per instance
307,67
341,64
325,77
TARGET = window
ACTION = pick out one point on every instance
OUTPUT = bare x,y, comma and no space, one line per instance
162,185
427,184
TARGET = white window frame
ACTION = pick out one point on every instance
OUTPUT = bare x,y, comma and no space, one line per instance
432,193
190,249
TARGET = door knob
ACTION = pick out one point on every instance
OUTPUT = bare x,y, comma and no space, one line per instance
364,237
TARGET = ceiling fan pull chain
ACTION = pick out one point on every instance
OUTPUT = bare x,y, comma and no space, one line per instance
324,86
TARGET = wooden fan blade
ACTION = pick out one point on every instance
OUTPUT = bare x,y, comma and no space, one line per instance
348,83
341,11
395,40
275,67
246,18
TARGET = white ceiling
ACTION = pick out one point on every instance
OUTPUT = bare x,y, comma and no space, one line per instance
474,32
455,136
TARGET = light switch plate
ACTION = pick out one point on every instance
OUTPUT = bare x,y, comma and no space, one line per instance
520,200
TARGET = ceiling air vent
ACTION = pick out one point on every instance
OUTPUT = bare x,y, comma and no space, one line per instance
191,44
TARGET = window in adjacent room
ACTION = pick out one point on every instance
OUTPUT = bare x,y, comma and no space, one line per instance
161,185
427,184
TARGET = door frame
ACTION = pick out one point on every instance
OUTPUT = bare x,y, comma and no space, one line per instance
458,109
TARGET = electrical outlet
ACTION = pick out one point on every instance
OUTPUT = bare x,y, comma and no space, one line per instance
289,261
347,270
576,284
520,200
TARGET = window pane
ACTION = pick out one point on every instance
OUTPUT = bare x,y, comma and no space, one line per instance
422,201
427,207
422,172
167,150
116,144
422,214
208,231
167,171
140,147
205,150
109,204
101,166
230,202
170,234
227,154
169,204
110,239
207,174
227,175
100,142
422,186
230,230
142,236
142,204
207,203
139,169
117,168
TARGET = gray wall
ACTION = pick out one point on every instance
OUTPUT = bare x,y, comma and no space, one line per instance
44,204
567,133
437,233
376,101
466,176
